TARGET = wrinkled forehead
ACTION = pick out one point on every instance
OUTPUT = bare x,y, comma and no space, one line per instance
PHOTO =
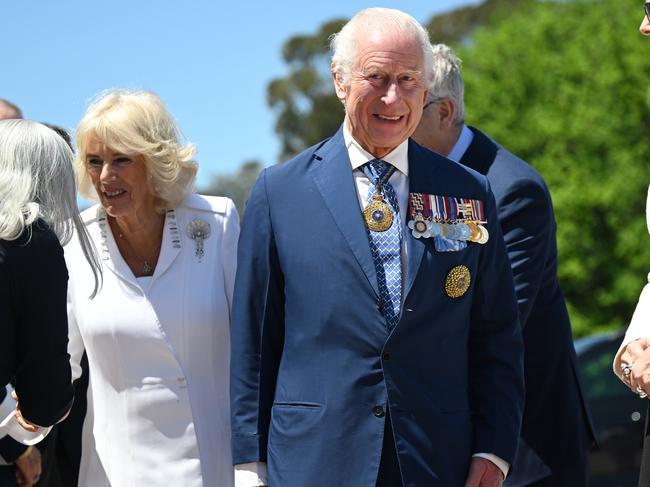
390,50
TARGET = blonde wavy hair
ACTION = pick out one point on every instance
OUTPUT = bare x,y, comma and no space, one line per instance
138,123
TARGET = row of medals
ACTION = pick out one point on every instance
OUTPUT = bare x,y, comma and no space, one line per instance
457,230
379,218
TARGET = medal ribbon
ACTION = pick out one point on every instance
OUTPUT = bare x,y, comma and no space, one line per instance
446,209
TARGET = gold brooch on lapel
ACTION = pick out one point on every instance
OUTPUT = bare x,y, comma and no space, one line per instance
198,230
458,281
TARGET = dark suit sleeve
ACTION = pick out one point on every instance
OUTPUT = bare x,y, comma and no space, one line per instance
526,216
42,379
257,329
10,449
495,349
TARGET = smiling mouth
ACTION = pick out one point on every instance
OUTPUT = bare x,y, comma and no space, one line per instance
113,194
388,118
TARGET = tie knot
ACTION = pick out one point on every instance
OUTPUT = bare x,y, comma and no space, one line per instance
378,168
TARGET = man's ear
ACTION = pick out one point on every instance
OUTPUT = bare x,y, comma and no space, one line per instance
446,112
339,86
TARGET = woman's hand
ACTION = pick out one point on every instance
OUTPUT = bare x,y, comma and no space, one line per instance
635,365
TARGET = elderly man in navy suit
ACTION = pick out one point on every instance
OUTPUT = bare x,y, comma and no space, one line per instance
375,339
553,456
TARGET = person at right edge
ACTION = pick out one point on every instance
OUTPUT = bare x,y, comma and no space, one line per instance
556,429
632,362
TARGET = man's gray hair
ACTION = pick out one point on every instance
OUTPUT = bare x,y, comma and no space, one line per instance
344,43
446,80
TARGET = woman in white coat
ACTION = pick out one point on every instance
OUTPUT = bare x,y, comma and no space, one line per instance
157,333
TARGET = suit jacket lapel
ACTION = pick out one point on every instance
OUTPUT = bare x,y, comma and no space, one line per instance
415,248
332,174
481,152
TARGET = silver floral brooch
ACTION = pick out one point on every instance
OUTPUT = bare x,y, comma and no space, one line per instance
198,230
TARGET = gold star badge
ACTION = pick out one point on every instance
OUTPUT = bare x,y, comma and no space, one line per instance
458,281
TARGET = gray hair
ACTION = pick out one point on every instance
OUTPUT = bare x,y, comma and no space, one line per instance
446,80
343,44
138,123
37,181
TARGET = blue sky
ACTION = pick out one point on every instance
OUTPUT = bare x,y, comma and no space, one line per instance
210,62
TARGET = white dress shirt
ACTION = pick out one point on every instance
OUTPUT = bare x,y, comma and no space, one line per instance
254,474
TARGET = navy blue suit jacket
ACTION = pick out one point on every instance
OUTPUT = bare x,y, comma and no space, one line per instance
556,430
313,366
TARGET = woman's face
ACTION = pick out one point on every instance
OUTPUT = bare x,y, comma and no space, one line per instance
120,180
645,23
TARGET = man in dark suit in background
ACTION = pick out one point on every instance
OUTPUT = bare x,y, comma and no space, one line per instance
375,339
556,430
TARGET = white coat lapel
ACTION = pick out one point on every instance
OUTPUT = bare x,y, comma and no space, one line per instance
113,260
109,253
172,241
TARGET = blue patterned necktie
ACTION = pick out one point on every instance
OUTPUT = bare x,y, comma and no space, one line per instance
386,246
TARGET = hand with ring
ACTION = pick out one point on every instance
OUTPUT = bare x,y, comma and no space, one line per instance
635,366
626,369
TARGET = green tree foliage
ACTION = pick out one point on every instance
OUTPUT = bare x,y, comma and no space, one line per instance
236,186
565,85
307,109
455,27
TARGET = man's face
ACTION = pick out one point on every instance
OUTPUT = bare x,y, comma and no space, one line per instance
386,91
645,24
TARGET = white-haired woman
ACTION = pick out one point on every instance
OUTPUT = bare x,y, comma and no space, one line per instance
38,213
157,334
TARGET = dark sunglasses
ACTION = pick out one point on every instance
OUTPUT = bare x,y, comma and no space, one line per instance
646,9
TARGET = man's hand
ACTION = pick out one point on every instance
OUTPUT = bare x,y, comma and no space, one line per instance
483,473
28,467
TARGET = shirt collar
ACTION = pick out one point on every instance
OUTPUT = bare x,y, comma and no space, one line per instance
464,140
398,157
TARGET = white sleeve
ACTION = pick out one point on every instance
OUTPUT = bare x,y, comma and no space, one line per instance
639,326
498,461
252,474
75,342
